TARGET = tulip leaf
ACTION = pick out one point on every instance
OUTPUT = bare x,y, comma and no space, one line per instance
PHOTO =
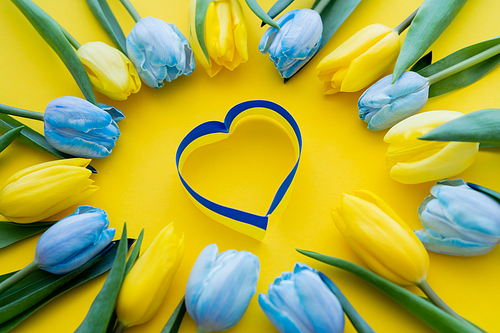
108,22
9,137
432,18
135,252
257,10
50,31
495,195
479,126
466,76
40,287
357,321
278,7
174,322
101,310
13,232
199,22
427,312
423,62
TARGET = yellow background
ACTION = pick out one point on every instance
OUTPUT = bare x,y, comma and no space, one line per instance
139,183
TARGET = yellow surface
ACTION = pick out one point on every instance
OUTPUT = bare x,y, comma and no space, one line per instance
139,182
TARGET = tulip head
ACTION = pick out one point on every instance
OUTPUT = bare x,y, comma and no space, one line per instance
295,43
79,128
301,302
385,104
159,51
416,161
74,240
109,70
220,287
35,193
459,219
146,285
360,60
381,238
225,36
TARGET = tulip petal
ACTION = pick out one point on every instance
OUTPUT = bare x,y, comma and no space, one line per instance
115,114
280,319
299,42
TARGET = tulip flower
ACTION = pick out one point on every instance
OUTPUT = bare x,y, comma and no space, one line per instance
460,219
109,70
77,127
225,36
384,104
301,302
220,288
159,51
296,43
415,161
381,238
146,285
360,60
40,191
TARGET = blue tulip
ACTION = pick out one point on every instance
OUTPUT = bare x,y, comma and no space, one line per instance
384,104
159,51
74,240
220,288
295,43
79,128
460,219
300,302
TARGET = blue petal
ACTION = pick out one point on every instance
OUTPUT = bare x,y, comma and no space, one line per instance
271,33
116,114
303,36
280,320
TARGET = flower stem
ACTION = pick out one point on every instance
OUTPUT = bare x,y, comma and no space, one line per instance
120,327
70,38
20,112
321,6
406,23
464,64
18,276
200,331
131,10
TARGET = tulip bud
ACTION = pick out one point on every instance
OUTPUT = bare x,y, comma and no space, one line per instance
459,219
147,283
109,70
416,161
301,302
296,43
220,288
79,128
159,51
384,104
225,36
381,238
360,60
74,240
35,193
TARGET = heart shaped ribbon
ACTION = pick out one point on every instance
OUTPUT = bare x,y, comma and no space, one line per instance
250,224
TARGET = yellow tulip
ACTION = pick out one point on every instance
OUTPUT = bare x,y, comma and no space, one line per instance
146,284
416,161
225,36
360,60
109,70
381,238
40,191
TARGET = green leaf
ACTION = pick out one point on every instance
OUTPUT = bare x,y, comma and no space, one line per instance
495,195
135,252
423,62
13,232
428,313
41,287
49,30
478,126
174,322
199,22
277,8
357,321
101,310
108,22
432,18
9,137
468,75
257,10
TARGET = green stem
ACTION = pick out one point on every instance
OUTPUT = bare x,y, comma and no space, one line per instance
20,112
70,38
406,23
6,284
200,331
321,6
464,64
131,10
120,327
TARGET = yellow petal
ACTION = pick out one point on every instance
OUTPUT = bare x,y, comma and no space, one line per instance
240,31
